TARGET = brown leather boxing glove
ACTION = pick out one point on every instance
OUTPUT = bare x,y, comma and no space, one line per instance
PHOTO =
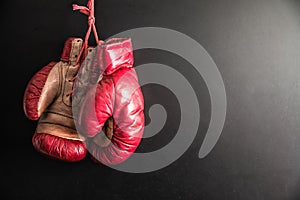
48,98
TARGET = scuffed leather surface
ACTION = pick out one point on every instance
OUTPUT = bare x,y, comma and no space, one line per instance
59,148
118,96
33,91
57,118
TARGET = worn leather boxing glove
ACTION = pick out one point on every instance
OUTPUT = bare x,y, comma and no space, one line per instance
111,114
48,98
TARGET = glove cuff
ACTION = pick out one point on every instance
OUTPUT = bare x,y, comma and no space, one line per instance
71,50
113,54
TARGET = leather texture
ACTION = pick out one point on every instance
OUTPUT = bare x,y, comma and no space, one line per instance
48,98
111,114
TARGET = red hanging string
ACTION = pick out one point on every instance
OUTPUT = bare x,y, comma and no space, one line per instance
89,11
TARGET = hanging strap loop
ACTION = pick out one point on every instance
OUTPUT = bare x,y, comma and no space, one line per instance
89,11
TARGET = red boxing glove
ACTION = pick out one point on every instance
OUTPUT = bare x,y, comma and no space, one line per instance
115,105
47,97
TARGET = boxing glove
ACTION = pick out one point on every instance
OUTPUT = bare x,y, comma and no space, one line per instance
48,98
111,114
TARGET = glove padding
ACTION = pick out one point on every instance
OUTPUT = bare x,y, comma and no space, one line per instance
33,92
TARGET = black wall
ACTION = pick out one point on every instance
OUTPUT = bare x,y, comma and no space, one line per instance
256,46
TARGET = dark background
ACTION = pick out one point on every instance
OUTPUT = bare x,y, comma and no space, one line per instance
256,46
